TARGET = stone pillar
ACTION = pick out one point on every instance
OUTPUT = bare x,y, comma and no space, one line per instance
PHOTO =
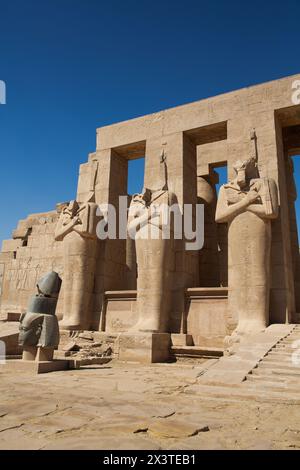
284,235
131,272
271,165
111,182
181,161
209,264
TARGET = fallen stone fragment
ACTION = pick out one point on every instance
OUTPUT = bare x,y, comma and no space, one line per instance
71,346
86,335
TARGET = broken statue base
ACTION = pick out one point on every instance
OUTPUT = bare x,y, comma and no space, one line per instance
144,347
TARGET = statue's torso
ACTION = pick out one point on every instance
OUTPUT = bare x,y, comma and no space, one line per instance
235,194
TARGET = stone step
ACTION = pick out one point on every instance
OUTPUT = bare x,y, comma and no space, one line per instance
287,359
272,371
265,377
241,392
278,358
289,342
276,353
293,334
294,331
275,364
285,387
285,349
273,386
196,351
276,379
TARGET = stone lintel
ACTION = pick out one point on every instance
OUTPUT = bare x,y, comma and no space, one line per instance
275,95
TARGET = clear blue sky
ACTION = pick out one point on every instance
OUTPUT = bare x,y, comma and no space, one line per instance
74,65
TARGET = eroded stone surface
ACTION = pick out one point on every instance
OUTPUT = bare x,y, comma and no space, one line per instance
122,406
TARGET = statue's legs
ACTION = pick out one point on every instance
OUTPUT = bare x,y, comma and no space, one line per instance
78,281
152,285
249,270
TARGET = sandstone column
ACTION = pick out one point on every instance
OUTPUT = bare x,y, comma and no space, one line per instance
110,183
179,152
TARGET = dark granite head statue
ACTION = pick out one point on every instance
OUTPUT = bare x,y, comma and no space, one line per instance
39,326
30,329
49,285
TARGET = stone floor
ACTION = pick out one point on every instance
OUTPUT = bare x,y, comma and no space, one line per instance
130,406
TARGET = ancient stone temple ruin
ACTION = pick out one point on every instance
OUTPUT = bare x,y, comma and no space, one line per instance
156,292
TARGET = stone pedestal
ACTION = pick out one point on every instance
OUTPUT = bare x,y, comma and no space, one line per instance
45,354
181,339
29,353
37,367
39,354
144,347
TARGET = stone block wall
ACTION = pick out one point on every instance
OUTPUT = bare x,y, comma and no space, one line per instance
30,254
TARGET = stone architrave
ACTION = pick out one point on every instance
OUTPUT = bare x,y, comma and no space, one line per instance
77,229
248,204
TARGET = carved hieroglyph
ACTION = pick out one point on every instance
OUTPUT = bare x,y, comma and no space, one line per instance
146,223
247,204
77,228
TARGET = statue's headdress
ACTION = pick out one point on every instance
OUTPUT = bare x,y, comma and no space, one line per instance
250,163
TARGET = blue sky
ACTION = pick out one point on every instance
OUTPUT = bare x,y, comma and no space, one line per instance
74,65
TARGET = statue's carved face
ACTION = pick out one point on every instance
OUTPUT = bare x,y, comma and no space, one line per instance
245,170
144,197
72,208
138,198
69,212
241,177
30,331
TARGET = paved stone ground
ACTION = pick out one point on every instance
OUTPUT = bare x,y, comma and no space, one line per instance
129,406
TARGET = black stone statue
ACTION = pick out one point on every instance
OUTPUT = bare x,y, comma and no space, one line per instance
39,330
